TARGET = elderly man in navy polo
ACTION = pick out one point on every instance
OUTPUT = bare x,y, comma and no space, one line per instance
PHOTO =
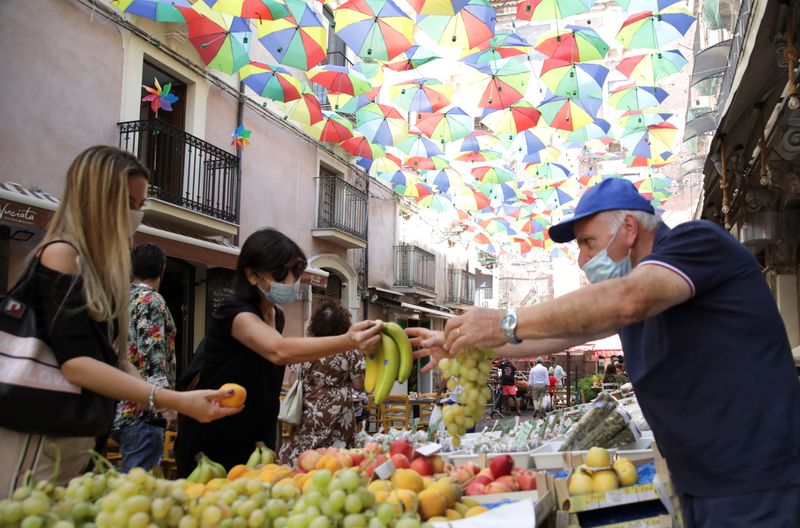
693,310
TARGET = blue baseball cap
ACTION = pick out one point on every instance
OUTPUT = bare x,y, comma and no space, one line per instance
608,195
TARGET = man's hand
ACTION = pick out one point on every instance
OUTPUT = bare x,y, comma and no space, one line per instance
428,343
478,327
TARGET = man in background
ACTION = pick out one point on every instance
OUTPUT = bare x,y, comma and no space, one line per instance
538,382
508,382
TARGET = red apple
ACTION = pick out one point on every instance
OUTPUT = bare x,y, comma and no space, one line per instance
344,458
484,479
374,463
501,465
475,468
438,464
497,487
402,447
423,466
476,488
400,461
487,472
307,460
510,481
373,447
358,455
527,481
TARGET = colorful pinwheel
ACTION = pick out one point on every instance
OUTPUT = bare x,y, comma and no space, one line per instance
500,85
374,29
447,126
568,79
411,59
298,40
339,79
158,10
469,25
241,137
381,124
551,9
653,66
159,97
573,44
565,113
421,95
515,118
223,41
273,82
260,9
654,29
632,97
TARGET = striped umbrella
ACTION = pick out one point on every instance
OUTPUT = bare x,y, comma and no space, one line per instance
260,9
478,140
653,66
634,6
551,9
568,79
411,59
305,111
374,29
633,97
421,95
573,44
500,85
472,23
444,179
381,124
480,156
654,30
333,128
361,147
223,41
450,125
565,113
298,40
273,82
501,46
513,119
339,79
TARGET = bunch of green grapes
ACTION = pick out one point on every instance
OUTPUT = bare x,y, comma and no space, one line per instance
470,370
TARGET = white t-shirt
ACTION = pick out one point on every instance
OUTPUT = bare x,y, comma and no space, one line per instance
539,376
559,373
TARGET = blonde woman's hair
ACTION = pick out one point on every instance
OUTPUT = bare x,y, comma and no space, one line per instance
93,216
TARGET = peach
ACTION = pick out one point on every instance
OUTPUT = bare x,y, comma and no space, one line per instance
307,460
236,399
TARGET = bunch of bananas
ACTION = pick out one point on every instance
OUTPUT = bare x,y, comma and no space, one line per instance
206,470
391,361
261,456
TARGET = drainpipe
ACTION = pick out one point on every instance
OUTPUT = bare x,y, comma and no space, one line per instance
366,259
239,122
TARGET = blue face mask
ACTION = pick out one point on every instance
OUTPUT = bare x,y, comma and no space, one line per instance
602,267
280,293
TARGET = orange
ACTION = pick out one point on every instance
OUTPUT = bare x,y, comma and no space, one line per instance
238,471
237,398
431,504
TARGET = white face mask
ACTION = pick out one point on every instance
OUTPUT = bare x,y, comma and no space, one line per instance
134,220
602,267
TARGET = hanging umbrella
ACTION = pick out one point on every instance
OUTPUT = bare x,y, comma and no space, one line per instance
498,183
634,6
549,154
493,175
421,163
551,9
158,10
411,59
524,143
381,124
447,126
652,141
501,46
472,23
417,190
437,7
420,146
398,180
665,158
339,79
223,41
306,111
478,140
349,104
421,95
513,119
359,146
547,170
260,9
497,226
653,66
642,119
569,79
632,97
374,29
565,113
480,156
333,128
573,44
372,71
654,29
273,82
438,202
552,197
444,179
298,40
468,198
388,163
500,85
598,129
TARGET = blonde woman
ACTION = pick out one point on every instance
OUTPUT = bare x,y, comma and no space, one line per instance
80,289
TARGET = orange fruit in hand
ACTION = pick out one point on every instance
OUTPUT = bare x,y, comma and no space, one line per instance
236,399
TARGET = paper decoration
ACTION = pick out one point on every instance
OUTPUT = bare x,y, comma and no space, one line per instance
159,97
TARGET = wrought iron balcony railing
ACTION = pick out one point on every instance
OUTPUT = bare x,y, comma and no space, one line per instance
414,268
186,171
460,287
342,206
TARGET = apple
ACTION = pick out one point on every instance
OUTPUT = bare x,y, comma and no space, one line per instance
476,488
400,461
485,471
344,458
510,481
527,481
373,447
358,455
374,463
308,459
462,475
501,465
438,464
402,447
473,467
484,479
449,468
497,487
423,466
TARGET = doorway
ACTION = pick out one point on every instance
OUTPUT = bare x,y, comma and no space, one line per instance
177,288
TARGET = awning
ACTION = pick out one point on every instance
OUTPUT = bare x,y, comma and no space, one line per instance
26,208
711,61
700,125
693,165
431,311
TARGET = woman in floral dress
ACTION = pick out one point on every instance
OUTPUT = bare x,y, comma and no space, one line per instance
328,415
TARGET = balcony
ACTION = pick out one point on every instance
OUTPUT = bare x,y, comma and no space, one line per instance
342,215
487,260
193,184
460,287
415,270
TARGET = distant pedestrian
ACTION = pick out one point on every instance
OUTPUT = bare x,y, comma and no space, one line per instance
508,381
538,382
559,373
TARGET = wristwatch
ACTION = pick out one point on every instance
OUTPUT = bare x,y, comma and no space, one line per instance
508,324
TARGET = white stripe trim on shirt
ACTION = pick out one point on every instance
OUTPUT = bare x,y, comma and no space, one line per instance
672,268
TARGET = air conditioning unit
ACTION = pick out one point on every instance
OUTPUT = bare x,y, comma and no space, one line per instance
760,229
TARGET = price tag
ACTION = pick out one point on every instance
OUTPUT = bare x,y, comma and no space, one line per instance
385,470
429,449
615,497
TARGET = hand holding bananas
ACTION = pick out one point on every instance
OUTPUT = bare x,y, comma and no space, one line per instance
365,335
391,361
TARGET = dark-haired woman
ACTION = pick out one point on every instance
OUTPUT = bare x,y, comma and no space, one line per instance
328,415
244,345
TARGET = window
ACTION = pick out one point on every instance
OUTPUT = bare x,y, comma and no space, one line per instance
177,116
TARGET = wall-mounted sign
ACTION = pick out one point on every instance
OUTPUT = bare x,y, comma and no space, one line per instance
18,213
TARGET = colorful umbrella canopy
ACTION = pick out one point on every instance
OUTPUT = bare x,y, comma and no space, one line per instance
372,71
654,29
573,44
468,198
480,156
411,59
381,124
470,24
158,10
420,163
523,144
306,111
349,104
549,154
501,46
501,85
478,140
223,41
333,128
450,125
653,66
444,180
399,180
437,7
421,95
298,40
652,141
273,82
361,147
662,159
551,9
436,202
547,170
633,97
420,146
374,29
565,113
634,6
388,163
515,118
569,79
595,130
260,9
641,119
340,79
